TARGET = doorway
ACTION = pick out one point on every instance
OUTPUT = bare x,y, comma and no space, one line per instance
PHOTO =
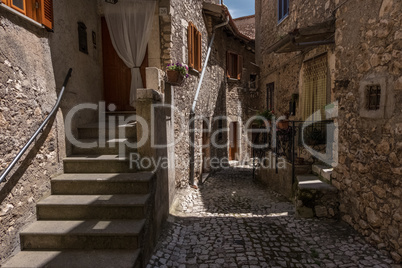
233,140
116,75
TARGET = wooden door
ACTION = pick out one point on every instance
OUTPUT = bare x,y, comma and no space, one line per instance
116,75
233,146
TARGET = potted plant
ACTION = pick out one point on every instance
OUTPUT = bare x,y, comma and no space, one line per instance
175,73
268,115
283,124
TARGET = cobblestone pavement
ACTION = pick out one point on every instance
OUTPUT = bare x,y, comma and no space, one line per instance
232,221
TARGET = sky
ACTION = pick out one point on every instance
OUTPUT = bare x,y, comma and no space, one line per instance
240,8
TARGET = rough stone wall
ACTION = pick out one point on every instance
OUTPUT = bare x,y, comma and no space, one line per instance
367,51
213,96
27,94
86,83
246,25
369,174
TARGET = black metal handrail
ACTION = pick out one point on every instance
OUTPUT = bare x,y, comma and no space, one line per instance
42,126
287,142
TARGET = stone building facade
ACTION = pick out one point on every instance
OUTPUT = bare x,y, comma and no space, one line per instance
360,46
33,72
219,96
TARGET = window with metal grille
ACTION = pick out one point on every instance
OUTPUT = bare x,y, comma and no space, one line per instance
315,86
373,93
39,10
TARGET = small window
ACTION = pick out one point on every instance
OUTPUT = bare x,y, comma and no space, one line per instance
234,65
373,97
270,96
19,5
194,47
253,81
82,38
39,10
283,9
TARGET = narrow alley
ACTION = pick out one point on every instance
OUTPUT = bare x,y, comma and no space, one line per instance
233,221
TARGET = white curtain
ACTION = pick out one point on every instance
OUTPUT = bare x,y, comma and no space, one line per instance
130,23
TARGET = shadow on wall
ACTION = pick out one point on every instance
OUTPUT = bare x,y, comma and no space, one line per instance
24,164
220,110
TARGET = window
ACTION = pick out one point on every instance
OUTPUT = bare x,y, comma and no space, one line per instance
315,86
194,47
253,81
270,96
373,97
283,9
38,10
234,65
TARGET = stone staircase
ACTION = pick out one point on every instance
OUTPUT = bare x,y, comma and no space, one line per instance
98,210
314,194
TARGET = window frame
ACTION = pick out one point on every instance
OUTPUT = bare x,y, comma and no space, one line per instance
282,14
234,65
194,41
39,11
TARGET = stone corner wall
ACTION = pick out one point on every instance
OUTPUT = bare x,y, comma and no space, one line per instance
27,94
369,174
217,96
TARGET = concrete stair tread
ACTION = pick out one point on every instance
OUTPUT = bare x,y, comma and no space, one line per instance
312,182
95,200
101,157
108,140
106,126
109,177
86,228
323,171
74,259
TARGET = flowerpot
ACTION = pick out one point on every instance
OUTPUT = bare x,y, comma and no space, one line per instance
174,78
283,124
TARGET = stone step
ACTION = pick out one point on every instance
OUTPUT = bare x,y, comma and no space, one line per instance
98,164
91,131
324,172
86,207
75,259
121,114
112,146
94,234
102,184
315,197
313,183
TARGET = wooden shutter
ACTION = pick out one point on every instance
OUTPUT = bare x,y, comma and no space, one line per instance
198,56
47,13
239,66
190,39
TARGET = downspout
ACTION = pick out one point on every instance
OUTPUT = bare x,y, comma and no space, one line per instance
192,111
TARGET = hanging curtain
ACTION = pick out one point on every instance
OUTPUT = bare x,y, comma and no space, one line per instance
130,23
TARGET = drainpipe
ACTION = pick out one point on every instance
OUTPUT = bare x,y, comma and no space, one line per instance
192,112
